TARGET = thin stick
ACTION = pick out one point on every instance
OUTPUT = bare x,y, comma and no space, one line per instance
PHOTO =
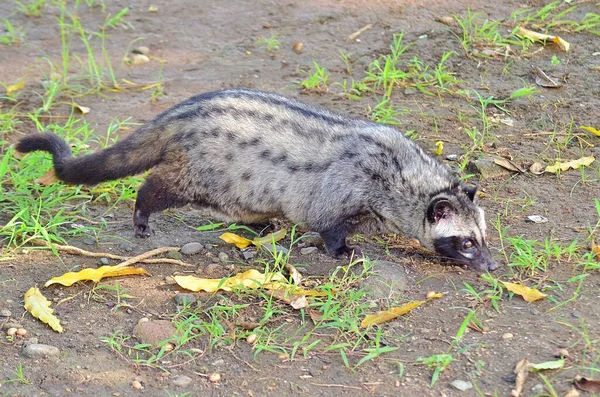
69,249
355,35
146,255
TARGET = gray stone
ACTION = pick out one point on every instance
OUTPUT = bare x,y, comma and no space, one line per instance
191,248
182,381
104,261
537,389
127,247
89,241
461,385
223,257
387,277
308,250
208,247
154,332
39,350
185,298
312,239
279,248
5,313
248,254
174,255
218,362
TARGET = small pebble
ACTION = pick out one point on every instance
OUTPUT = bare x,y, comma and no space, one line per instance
21,332
537,389
208,247
297,47
174,255
137,385
191,248
430,294
89,241
312,239
182,381
213,267
141,50
104,261
169,347
5,313
446,20
184,299
11,331
39,350
461,385
251,339
218,362
308,250
214,377
279,248
507,336
223,257
452,157
138,59
248,254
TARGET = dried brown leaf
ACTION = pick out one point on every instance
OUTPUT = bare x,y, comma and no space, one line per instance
589,385
48,178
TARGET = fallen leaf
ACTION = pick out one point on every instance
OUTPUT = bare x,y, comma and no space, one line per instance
315,316
507,164
543,80
535,36
269,238
529,294
390,314
537,219
596,249
522,372
249,279
557,364
590,129
82,109
238,241
299,302
589,385
39,307
439,150
242,242
94,275
294,273
572,392
574,164
14,88
47,179
536,168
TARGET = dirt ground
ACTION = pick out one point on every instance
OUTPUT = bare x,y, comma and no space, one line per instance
206,46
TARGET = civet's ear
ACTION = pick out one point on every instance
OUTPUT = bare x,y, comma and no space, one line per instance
440,209
470,191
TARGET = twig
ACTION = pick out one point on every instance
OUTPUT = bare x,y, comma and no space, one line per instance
145,255
334,385
355,35
69,249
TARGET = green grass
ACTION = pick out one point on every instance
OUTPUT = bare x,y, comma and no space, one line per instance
10,34
316,80
268,43
558,16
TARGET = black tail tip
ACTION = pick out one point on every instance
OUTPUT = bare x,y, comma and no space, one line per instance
47,142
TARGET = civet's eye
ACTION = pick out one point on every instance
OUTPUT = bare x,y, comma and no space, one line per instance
467,244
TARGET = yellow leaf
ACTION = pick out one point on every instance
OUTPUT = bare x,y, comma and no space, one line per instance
293,289
529,294
95,275
14,88
390,314
243,242
535,36
82,109
558,166
39,307
269,238
596,249
590,129
232,238
249,279
439,148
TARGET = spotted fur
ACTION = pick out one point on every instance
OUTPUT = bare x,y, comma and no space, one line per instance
251,156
